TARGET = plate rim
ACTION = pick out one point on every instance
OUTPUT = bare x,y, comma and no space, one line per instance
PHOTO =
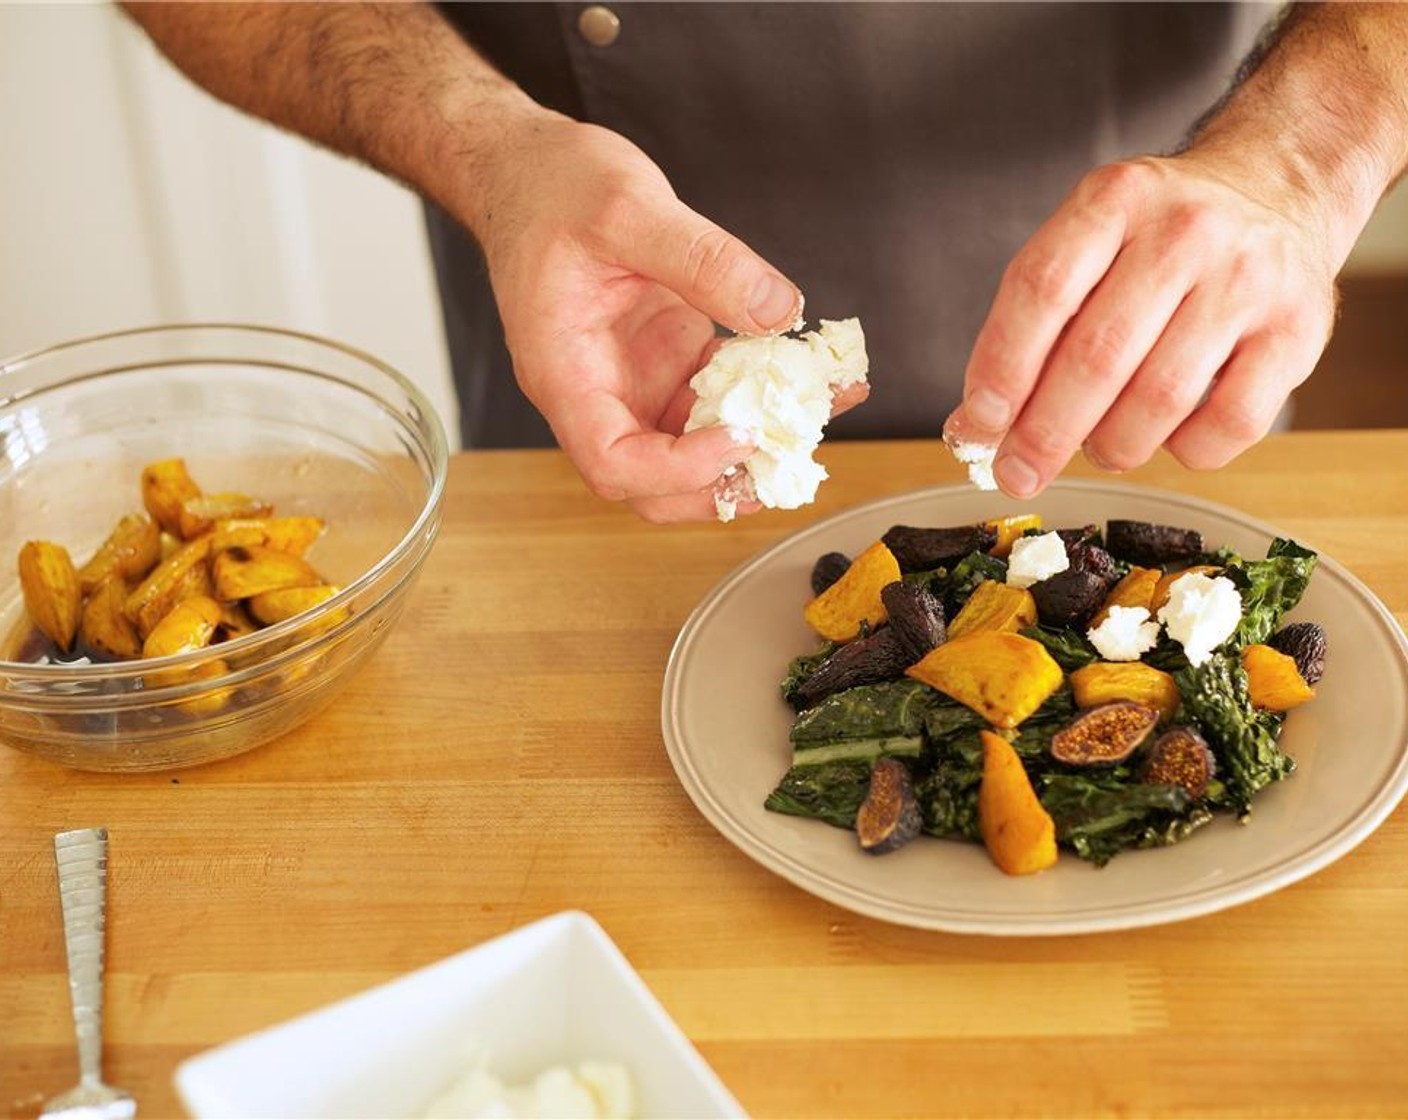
1357,826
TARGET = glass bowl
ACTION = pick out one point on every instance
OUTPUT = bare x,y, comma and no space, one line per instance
314,427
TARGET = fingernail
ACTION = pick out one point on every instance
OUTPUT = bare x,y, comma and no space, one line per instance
1016,476
774,301
988,409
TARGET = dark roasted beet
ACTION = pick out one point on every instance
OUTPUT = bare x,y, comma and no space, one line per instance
889,817
918,550
1306,642
916,616
1180,757
828,568
880,657
1086,534
1104,735
1069,598
1150,545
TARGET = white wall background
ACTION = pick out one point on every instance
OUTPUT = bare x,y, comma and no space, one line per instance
130,197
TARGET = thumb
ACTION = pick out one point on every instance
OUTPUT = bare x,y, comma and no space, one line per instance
715,273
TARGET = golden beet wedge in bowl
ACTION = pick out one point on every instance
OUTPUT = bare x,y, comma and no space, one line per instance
207,530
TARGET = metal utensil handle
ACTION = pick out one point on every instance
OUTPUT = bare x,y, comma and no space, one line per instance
83,887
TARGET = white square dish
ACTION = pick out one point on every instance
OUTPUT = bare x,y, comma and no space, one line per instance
556,991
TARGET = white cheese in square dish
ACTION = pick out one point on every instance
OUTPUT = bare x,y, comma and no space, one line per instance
775,392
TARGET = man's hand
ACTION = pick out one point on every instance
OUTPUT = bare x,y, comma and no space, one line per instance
609,288
1177,301
608,285
1160,305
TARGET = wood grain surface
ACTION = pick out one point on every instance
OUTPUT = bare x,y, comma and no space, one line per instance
500,759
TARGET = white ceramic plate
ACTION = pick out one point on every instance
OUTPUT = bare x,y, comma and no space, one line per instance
726,727
556,991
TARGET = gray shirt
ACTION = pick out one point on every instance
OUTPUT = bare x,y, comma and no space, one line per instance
889,158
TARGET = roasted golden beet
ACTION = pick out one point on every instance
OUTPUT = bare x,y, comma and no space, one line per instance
994,606
853,602
243,572
1017,831
283,603
181,576
1107,681
189,626
1008,529
293,535
51,592
889,817
1273,680
1135,590
199,514
1180,757
131,551
1104,735
1003,677
105,628
165,486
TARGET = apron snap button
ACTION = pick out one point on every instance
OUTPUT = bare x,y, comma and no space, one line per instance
599,25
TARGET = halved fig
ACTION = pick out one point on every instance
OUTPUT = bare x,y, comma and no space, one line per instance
1306,642
1180,757
889,817
1104,735
829,567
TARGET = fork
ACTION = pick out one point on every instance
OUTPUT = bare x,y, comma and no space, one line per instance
82,857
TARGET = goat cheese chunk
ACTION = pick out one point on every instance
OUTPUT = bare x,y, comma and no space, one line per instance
1126,634
977,457
1201,613
1034,559
775,393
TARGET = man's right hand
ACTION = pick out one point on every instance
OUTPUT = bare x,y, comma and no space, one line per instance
609,287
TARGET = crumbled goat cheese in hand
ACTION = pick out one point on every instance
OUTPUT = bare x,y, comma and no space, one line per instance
775,393
977,457
1201,613
1034,559
1126,634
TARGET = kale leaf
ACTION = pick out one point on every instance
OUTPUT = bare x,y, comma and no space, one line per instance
1269,588
832,793
1068,648
1100,815
891,709
955,587
1242,738
800,668
948,793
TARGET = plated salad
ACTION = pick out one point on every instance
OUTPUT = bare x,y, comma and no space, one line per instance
1081,689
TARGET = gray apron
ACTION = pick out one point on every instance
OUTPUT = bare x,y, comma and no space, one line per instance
889,158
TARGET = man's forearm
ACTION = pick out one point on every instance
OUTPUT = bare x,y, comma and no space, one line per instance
1323,118
392,85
